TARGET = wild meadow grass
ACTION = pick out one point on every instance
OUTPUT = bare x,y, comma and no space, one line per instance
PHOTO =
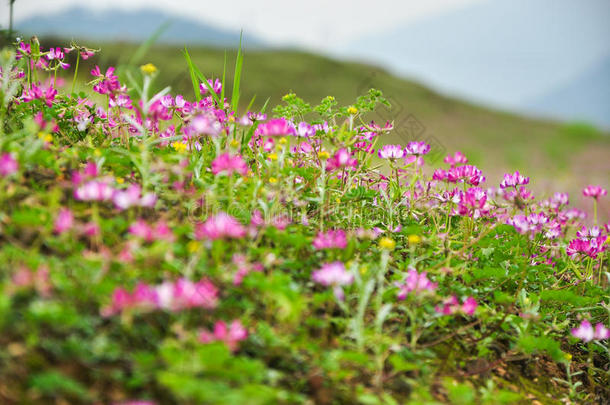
160,248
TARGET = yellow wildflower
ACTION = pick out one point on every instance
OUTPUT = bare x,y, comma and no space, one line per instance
148,69
414,239
387,243
179,146
193,246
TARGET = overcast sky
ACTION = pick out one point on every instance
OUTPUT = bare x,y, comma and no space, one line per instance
314,24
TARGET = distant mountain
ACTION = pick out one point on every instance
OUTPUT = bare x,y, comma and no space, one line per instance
585,98
119,25
500,52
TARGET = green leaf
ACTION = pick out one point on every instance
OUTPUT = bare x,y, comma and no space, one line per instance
237,75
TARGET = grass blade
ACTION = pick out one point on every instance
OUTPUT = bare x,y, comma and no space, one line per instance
194,79
237,78
224,71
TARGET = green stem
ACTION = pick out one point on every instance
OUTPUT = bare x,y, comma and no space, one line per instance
75,73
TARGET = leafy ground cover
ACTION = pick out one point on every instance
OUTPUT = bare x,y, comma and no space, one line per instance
162,248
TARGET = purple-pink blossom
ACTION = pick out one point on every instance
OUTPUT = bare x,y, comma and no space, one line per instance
514,180
8,164
220,226
586,333
64,221
173,296
332,239
417,148
391,152
416,283
230,336
333,274
594,191
468,173
132,196
94,190
276,127
342,158
451,306
457,158
228,164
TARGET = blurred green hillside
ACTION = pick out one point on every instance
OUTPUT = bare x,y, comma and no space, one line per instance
556,156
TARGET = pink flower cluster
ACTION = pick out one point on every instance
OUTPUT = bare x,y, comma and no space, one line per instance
417,148
276,127
333,274
457,158
594,191
451,306
132,196
57,54
89,188
8,164
473,203
229,164
231,335
107,83
586,246
219,226
173,296
64,221
391,152
150,233
38,92
460,174
586,333
333,239
416,283
514,180
342,158
532,223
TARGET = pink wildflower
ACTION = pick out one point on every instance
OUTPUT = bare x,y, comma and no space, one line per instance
584,332
276,127
231,336
594,191
457,157
305,130
64,221
469,174
220,226
8,164
228,164
216,86
333,239
94,190
416,283
124,199
342,158
417,148
335,275
451,306
514,180
391,152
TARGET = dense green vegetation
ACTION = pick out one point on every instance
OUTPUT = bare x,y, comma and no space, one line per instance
161,249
